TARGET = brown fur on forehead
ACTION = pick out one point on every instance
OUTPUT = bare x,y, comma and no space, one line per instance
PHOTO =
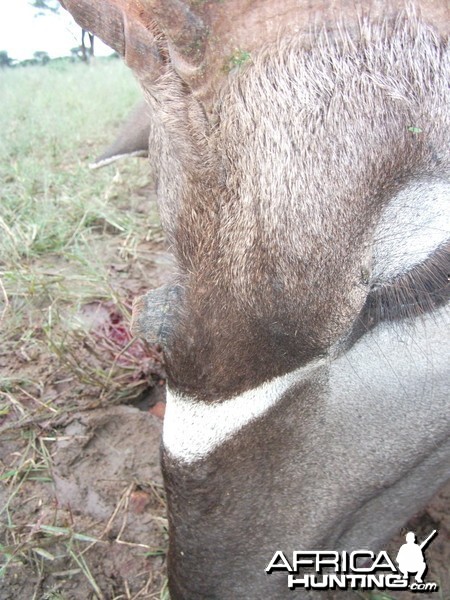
320,133
307,148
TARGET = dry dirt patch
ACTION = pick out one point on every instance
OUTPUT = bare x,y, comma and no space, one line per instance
100,529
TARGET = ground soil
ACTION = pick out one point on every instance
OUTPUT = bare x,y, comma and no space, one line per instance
106,484
85,516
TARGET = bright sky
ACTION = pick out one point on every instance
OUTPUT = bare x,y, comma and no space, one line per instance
22,33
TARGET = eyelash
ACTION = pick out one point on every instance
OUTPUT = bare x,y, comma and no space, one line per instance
423,289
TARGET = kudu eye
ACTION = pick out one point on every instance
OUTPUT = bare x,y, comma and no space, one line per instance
411,258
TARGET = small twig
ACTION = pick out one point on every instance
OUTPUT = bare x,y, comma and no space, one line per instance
5,308
145,590
44,404
119,506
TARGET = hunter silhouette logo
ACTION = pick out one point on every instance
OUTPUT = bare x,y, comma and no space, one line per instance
357,570
410,557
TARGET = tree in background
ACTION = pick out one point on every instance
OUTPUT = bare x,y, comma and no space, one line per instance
5,59
84,51
41,57
44,6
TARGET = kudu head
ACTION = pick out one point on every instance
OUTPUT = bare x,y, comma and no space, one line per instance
303,186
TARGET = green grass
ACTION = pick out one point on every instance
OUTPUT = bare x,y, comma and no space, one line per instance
58,218
62,226
52,122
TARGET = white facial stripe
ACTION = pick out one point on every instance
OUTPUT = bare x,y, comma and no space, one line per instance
413,225
193,429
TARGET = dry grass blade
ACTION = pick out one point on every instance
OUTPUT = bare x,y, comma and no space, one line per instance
5,303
